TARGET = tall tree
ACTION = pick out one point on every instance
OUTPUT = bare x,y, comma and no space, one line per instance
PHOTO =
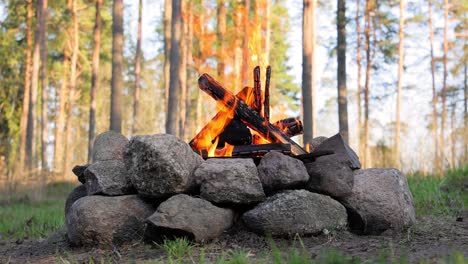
400,81
73,90
117,67
94,79
444,84
27,85
358,78
60,128
175,63
308,76
220,34
434,91
183,72
136,97
43,55
341,60
167,47
367,34
31,148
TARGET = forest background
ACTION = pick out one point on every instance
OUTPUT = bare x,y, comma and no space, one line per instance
398,68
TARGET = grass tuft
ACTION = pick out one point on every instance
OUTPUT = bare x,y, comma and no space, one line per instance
177,249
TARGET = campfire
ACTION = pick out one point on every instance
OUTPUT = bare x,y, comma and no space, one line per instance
242,127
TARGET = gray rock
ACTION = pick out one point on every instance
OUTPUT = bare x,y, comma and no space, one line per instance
278,172
183,215
331,176
341,149
109,145
315,142
380,200
230,181
77,193
106,221
161,165
296,212
108,177
79,170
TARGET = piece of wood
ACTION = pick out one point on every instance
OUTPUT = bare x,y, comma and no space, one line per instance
212,129
235,133
248,116
257,91
266,100
311,157
290,126
255,151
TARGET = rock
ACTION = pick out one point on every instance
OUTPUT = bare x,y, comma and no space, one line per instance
183,215
108,177
380,200
109,145
315,142
76,194
295,212
230,181
106,221
161,165
278,172
341,149
79,170
331,176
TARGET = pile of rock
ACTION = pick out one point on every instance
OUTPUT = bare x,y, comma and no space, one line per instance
155,187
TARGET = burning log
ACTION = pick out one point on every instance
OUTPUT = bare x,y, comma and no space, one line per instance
236,133
248,116
266,101
257,91
290,126
256,151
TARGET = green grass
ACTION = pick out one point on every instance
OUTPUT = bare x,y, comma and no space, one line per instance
22,216
435,195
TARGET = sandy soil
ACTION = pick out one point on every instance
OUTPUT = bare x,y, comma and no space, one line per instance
430,239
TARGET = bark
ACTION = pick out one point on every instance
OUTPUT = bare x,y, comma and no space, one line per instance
444,85
117,67
465,103
136,97
43,55
367,34
59,144
308,76
183,74
94,79
167,47
68,151
341,60
359,92
453,137
400,81
189,121
221,31
31,148
435,126
27,87
245,47
175,61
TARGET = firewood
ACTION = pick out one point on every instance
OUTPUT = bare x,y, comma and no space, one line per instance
248,116
266,101
290,126
257,91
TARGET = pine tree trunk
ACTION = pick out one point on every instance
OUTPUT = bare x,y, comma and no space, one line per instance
175,61
238,47
117,67
245,47
465,114
27,88
167,47
308,78
221,31
59,144
72,94
341,60
367,84
359,92
136,97
43,55
31,144
201,20
453,137
183,73
191,89
444,85
400,81
94,80
435,126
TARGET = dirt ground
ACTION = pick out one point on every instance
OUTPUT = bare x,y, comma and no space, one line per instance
430,239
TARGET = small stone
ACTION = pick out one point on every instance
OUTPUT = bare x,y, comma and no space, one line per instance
380,200
79,170
183,215
230,181
295,212
109,177
109,145
278,172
